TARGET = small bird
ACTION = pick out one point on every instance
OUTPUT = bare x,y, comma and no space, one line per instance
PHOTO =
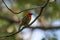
25,20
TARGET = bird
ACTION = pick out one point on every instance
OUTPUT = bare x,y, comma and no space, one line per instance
25,20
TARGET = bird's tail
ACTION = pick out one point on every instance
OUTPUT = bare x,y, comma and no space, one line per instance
20,24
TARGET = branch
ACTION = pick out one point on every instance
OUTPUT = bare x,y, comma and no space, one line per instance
39,27
8,8
20,11
40,12
32,21
29,9
45,28
12,33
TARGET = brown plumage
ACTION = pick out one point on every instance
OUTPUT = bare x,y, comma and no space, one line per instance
25,21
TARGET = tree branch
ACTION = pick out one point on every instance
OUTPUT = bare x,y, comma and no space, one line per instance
8,8
12,33
40,12
32,21
20,11
29,9
45,28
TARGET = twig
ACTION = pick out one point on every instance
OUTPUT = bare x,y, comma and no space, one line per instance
45,28
8,8
40,12
32,21
12,33
20,11
29,9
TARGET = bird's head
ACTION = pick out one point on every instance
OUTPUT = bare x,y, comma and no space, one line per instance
28,14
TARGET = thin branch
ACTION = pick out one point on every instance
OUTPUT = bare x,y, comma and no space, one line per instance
8,8
45,28
20,11
40,12
32,21
12,33
29,9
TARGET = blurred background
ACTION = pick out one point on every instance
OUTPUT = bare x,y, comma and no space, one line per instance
49,18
